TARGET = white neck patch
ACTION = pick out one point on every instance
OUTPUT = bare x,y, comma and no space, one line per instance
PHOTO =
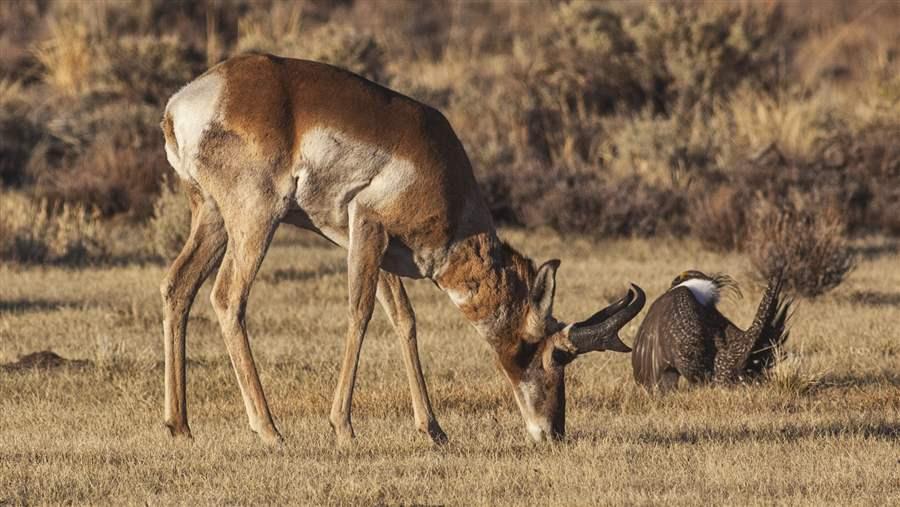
705,291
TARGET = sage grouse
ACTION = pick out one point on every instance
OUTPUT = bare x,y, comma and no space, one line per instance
685,335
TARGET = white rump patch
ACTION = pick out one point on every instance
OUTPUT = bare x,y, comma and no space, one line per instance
705,291
192,110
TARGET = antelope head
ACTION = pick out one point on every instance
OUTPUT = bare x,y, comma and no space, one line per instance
535,362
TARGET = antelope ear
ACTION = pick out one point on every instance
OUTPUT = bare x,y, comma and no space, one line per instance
544,288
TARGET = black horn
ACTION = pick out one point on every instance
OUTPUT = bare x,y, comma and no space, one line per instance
600,332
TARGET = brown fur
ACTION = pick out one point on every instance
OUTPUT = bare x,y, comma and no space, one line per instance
244,181
274,101
496,276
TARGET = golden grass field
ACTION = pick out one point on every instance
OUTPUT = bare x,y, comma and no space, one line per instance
824,430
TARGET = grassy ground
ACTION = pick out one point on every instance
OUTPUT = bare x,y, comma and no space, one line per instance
824,431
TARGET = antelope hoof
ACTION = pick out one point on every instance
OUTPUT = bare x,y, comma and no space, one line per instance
179,430
271,438
343,432
435,433
345,439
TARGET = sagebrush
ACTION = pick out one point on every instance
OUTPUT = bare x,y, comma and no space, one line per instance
806,243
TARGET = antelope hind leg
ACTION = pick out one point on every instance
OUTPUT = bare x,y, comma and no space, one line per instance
249,239
198,258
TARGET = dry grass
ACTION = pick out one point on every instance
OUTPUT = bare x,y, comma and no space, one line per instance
823,431
67,58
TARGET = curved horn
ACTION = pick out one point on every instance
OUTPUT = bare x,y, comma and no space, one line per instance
600,332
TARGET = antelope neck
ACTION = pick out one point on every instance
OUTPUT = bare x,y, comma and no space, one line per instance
487,280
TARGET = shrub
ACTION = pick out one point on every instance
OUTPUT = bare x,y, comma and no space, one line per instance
798,127
112,157
347,47
282,33
692,56
170,224
806,240
873,168
149,69
581,202
685,62
662,150
35,231
19,135
719,218
585,116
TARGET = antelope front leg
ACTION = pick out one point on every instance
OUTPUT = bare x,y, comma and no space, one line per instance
201,254
395,302
368,242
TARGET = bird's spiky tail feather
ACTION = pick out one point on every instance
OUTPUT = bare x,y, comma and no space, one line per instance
772,336
755,350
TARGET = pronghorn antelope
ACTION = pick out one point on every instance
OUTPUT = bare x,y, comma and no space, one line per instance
259,140
685,335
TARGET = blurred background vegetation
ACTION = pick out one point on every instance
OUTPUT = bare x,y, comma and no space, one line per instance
770,127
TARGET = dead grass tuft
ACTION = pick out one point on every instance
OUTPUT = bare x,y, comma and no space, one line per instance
792,374
68,57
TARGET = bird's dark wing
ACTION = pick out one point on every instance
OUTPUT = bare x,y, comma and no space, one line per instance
672,335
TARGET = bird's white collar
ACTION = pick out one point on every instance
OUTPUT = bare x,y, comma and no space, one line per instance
705,291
